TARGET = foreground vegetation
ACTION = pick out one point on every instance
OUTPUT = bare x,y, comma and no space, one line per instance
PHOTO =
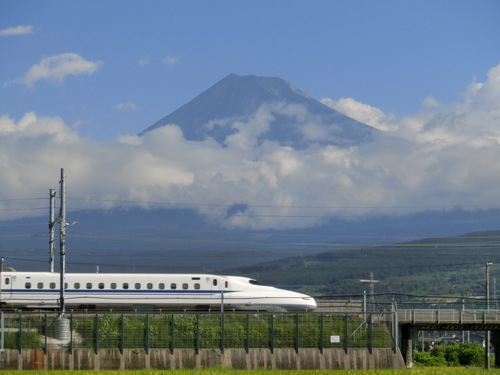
219,371
200,330
456,354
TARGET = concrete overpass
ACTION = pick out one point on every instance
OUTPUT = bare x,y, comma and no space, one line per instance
409,322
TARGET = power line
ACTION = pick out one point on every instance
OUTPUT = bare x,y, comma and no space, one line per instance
281,206
22,209
20,199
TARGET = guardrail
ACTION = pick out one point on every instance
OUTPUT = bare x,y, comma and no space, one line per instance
442,316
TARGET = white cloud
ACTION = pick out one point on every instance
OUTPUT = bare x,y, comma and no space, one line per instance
362,112
32,127
444,157
430,102
171,60
126,106
144,61
247,134
18,30
57,68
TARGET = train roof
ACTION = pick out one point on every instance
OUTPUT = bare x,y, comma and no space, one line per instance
44,273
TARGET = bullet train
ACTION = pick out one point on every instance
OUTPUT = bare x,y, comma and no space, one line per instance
40,290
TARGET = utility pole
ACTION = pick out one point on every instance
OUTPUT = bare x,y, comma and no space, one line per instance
487,336
52,223
372,288
62,240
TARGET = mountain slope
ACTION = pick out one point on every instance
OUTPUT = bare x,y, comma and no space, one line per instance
444,266
268,106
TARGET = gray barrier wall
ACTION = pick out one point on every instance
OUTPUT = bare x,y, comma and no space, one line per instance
112,359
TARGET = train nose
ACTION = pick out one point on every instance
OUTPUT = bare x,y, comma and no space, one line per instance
310,303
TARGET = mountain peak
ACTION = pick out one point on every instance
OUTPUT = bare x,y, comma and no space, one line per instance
275,109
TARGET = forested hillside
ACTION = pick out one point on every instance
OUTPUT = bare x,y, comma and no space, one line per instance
417,270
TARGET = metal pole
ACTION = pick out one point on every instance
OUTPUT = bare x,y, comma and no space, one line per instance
222,344
20,334
346,337
271,344
322,332
395,328
247,340
62,241
197,338
96,333
45,334
364,305
372,290
52,222
172,334
370,334
2,259
297,335
147,334
487,335
2,327
71,333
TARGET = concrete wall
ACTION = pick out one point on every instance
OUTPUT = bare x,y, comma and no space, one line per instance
112,359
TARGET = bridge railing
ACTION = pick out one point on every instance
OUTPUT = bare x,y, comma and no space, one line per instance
448,316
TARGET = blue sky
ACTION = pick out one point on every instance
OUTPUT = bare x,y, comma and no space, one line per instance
79,79
154,56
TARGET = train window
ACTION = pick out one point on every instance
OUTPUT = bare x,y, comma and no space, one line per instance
39,285
27,285
255,282
150,286
197,286
65,285
185,286
173,286
88,285
113,285
76,286
52,285
215,282
226,284
137,285
125,285
101,285
161,286
7,281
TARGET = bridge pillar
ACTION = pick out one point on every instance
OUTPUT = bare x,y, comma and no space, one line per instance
409,336
495,341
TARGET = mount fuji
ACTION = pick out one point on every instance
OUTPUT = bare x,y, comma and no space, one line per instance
269,108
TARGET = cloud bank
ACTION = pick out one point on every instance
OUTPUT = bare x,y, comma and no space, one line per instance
57,68
441,158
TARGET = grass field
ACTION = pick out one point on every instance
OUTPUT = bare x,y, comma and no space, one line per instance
222,371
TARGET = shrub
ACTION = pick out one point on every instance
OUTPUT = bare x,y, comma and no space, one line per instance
430,359
461,354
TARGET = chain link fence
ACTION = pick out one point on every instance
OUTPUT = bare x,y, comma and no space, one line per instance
138,330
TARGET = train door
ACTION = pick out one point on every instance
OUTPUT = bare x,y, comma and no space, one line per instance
6,288
219,283
215,283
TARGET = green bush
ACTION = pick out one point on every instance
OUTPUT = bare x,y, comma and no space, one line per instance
429,359
456,354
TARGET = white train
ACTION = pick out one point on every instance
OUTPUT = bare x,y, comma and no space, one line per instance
40,290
